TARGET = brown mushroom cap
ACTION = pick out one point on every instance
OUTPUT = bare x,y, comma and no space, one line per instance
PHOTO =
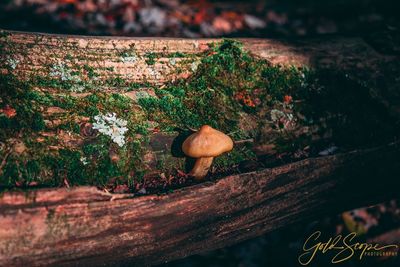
207,142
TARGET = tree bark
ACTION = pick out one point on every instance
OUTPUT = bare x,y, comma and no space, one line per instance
126,57
85,227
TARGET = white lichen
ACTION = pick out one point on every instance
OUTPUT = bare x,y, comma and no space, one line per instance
194,66
64,73
111,126
13,63
277,114
84,160
128,58
61,71
172,61
156,74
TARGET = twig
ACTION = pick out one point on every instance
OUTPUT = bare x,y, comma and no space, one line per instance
3,162
239,142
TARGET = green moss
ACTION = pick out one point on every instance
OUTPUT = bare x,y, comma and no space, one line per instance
69,57
90,162
91,73
57,83
115,82
178,55
151,58
130,52
17,95
208,97
228,161
4,34
138,85
229,88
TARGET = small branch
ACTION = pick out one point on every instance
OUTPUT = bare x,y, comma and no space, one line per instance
244,141
4,161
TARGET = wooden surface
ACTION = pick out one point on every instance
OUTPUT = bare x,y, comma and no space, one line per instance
127,56
124,58
86,227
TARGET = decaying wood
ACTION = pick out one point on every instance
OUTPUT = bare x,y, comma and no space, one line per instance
126,57
85,227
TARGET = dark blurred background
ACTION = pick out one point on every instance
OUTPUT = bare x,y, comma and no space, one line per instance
377,21
204,18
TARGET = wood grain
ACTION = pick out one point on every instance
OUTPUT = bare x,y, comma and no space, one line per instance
127,56
86,227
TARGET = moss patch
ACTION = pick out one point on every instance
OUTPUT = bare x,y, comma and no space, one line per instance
244,96
66,154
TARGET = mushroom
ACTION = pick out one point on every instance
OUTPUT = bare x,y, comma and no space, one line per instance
204,145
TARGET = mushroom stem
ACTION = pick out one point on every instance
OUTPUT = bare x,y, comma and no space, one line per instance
201,167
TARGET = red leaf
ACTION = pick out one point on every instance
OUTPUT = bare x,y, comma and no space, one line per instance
200,17
9,111
287,99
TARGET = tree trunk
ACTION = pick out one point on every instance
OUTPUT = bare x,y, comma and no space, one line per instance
84,226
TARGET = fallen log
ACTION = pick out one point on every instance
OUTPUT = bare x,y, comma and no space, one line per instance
86,227
128,58
76,78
